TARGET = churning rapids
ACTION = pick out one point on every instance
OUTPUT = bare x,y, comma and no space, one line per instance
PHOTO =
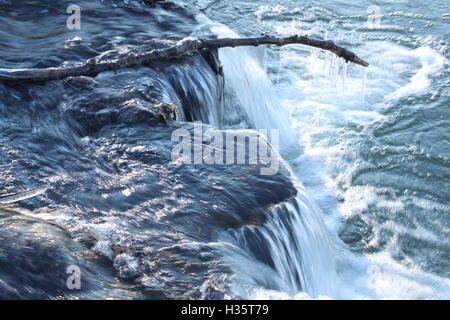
370,147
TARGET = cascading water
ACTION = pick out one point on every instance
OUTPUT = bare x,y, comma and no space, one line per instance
295,244
196,89
248,88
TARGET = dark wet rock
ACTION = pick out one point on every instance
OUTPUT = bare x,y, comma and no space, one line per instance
136,113
160,212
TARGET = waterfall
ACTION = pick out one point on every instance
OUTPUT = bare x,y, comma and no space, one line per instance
292,252
294,243
195,88
248,89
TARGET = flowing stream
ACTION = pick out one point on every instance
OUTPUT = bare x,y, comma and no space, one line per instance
330,119
359,209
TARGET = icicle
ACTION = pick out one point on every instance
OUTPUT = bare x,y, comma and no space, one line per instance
344,75
364,83
280,64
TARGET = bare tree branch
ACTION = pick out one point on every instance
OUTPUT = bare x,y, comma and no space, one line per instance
93,67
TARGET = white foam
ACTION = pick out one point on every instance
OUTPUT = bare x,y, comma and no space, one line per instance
324,97
320,113
430,62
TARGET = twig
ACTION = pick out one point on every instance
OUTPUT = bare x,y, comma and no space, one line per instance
93,67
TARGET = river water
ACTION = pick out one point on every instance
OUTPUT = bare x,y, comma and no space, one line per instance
360,208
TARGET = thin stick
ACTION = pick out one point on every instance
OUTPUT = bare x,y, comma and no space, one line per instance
93,67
